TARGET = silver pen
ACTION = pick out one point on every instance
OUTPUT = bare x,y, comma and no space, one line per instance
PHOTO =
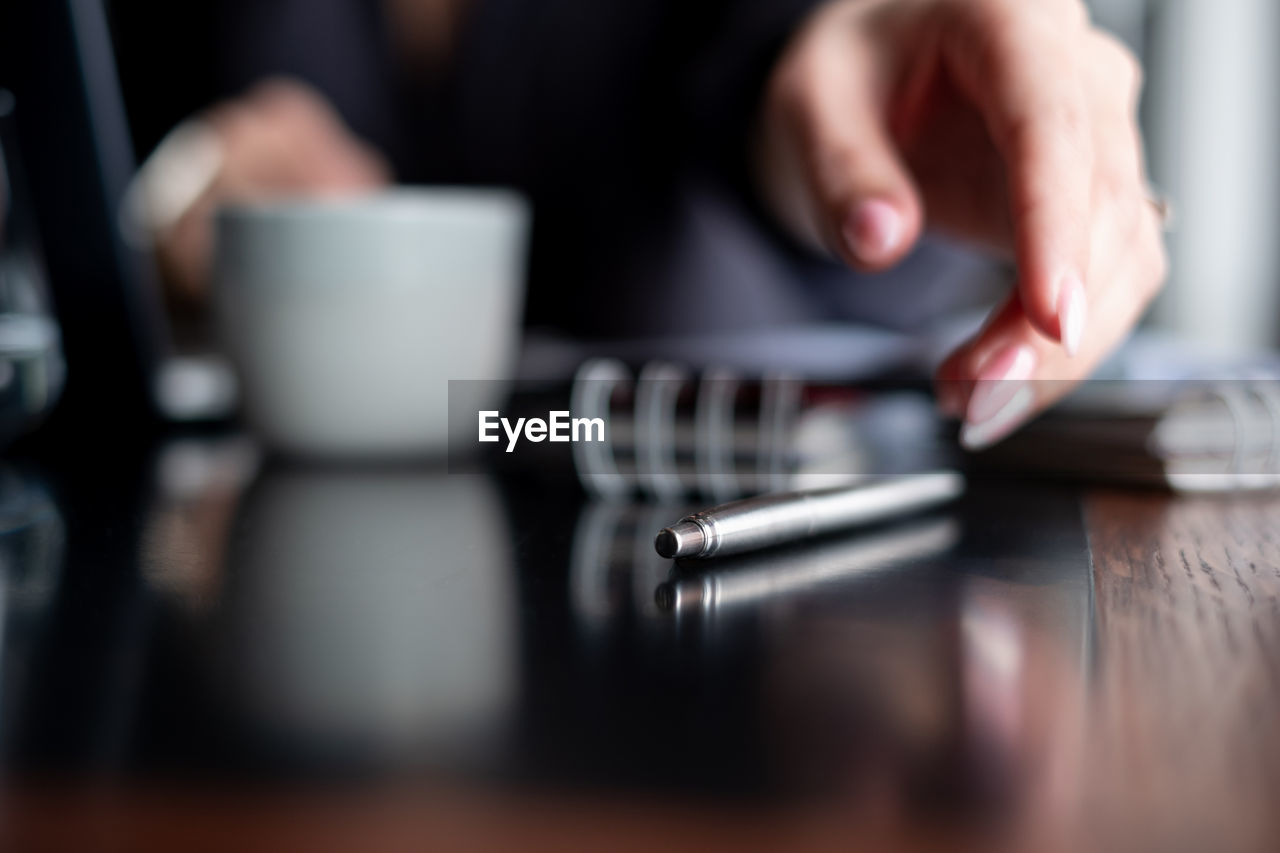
768,520
755,579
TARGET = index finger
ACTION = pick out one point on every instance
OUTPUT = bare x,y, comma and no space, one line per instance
1014,63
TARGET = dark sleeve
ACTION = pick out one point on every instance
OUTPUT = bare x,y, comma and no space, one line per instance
176,59
340,47
727,73
593,87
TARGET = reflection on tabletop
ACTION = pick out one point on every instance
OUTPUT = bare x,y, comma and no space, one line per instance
416,625
900,668
32,541
366,613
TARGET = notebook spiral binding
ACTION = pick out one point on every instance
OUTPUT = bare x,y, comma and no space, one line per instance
669,414
1252,461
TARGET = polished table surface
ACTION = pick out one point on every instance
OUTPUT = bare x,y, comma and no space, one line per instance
204,647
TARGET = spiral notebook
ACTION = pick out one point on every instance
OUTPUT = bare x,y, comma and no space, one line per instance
680,433
1189,435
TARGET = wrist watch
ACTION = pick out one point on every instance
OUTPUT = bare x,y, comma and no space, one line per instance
183,166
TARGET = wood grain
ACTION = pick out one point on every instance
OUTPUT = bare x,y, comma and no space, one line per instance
1183,743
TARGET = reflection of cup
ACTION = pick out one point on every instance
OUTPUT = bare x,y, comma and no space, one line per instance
372,613
347,318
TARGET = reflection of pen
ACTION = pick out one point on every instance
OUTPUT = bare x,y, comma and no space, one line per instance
752,579
774,519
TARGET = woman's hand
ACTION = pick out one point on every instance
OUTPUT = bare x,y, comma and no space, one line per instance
1009,123
281,140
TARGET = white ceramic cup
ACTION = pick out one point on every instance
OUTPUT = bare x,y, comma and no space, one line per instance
346,319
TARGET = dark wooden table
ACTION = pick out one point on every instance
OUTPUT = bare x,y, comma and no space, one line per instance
1183,743
1081,671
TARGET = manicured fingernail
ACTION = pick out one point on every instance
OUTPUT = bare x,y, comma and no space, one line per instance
874,232
1003,422
1002,377
1071,312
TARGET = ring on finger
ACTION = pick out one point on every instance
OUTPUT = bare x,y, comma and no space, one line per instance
1164,207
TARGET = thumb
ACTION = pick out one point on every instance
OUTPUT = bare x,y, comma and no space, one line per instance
830,165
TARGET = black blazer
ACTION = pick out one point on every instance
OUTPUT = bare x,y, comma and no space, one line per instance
625,121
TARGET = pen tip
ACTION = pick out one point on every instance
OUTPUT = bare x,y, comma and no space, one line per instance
683,539
667,543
